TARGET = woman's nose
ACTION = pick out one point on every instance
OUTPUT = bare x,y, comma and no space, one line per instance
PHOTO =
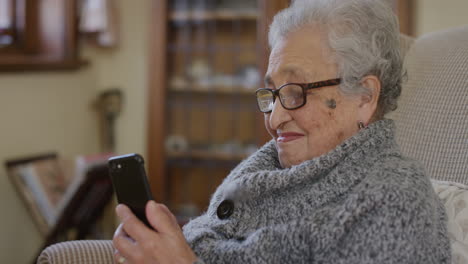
278,115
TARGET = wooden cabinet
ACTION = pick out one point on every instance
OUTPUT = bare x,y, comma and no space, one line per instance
207,59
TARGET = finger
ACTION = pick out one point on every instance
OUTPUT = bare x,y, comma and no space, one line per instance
160,217
126,250
170,214
121,232
118,258
131,225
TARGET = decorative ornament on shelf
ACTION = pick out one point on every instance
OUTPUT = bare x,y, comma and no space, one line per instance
176,144
200,72
109,105
249,77
178,83
232,147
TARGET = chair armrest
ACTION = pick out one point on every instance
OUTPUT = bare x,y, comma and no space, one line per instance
77,252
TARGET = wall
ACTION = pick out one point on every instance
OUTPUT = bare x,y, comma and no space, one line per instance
433,15
127,70
39,112
52,111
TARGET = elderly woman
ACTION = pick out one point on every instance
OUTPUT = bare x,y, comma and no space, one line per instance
332,185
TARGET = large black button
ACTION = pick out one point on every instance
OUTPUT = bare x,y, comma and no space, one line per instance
225,209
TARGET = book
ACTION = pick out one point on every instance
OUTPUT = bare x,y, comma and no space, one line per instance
47,183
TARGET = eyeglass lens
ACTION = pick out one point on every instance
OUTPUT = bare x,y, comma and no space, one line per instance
265,100
291,97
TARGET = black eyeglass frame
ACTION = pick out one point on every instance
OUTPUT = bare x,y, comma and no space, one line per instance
304,86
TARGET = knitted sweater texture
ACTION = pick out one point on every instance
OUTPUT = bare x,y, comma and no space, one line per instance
362,202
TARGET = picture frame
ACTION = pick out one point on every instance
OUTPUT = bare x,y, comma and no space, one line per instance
42,182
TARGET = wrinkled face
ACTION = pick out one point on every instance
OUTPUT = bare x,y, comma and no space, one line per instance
328,117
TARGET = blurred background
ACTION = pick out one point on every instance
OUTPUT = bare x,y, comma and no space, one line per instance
81,80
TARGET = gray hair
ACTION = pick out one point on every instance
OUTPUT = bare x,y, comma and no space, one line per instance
363,36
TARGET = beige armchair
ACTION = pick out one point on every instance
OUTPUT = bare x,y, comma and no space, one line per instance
432,121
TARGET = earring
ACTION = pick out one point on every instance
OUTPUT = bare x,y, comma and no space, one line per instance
361,125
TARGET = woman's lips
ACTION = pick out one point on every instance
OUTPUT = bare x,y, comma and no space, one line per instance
288,136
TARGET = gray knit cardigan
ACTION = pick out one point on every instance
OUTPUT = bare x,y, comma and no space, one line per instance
363,202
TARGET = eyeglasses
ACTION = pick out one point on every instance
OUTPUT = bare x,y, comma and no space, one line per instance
291,95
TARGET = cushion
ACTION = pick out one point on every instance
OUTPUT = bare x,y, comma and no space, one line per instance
77,252
455,198
432,114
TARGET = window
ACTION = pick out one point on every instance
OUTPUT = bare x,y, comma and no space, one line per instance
6,22
6,10
38,35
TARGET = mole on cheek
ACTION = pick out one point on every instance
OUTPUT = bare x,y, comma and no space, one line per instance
340,135
331,103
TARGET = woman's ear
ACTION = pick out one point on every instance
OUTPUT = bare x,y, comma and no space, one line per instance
368,102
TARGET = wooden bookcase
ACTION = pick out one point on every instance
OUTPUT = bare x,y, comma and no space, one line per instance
206,62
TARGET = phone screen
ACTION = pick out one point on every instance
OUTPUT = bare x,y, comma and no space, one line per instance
130,183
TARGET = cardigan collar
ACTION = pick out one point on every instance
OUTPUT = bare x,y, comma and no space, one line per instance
334,171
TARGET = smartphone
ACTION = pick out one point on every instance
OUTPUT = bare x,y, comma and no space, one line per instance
130,183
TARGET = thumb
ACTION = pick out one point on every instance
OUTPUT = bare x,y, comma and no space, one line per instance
160,218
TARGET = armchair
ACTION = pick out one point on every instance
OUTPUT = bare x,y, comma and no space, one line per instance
432,121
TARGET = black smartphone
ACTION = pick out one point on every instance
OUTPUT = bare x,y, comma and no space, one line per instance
130,183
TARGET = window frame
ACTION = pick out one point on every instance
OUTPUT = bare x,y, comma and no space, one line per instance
45,37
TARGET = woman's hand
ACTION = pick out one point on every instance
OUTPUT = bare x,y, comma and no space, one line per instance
136,243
